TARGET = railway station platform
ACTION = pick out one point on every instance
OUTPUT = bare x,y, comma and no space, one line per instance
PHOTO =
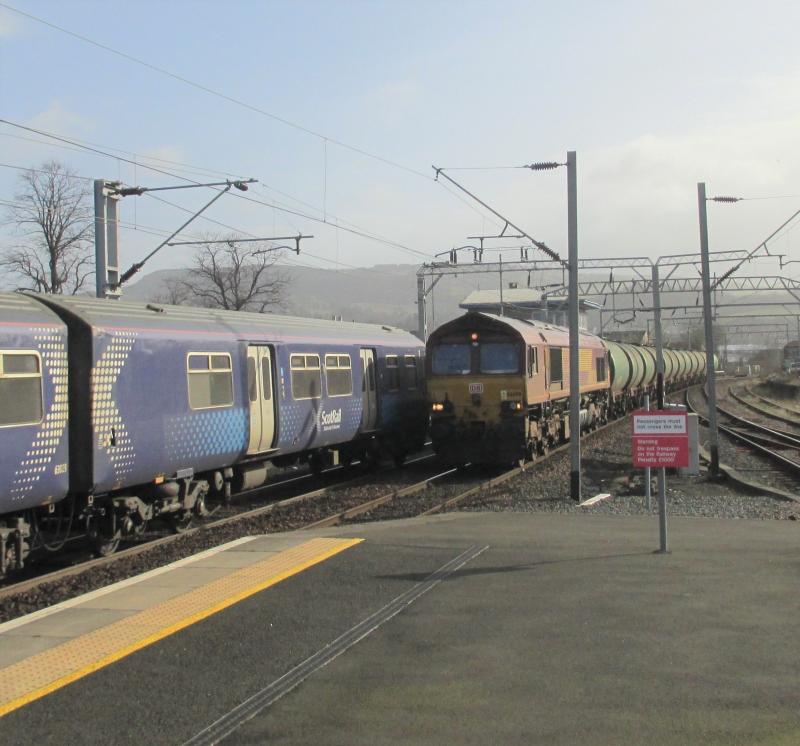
463,628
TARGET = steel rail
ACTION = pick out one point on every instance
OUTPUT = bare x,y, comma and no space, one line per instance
785,463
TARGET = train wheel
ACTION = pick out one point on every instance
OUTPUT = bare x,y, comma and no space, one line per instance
315,464
399,458
103,546
180,521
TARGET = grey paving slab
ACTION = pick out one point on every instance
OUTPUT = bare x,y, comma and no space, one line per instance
67,623
233,559
188,577
275,542
19,647
135,597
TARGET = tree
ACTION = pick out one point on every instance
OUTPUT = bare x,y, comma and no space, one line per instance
234,276
172,292
53,216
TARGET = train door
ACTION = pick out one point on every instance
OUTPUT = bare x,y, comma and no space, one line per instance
262,401
369,393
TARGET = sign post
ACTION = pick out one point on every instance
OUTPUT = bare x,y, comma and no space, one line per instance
660,441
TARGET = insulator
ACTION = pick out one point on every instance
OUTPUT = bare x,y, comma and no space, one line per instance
726,199
543,166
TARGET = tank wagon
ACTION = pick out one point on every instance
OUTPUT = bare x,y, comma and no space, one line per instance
115,413
499,387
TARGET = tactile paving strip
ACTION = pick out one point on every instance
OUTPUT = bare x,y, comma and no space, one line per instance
34,677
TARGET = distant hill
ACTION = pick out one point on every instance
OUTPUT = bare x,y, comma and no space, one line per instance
387,294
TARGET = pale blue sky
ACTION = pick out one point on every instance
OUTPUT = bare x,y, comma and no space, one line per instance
653,96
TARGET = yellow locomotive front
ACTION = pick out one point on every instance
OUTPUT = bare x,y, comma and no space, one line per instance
476,390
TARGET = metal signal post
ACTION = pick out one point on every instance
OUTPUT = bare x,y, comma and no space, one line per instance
574,331
711,381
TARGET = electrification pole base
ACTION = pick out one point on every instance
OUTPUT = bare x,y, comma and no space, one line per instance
575,485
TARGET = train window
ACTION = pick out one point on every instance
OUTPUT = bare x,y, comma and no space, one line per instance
338,375
210,380
533,361
252,383
20,389
266,378
392,373
306,376
499,357
556,371
410,365
451,360
601,368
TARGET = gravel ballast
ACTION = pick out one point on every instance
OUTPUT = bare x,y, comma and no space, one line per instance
606,468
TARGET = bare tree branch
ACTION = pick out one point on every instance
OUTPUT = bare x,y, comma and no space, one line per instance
53,217
233,276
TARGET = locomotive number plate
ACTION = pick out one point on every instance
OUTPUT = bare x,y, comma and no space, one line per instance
476,388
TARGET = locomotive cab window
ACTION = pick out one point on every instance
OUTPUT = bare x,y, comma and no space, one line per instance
499,357
392,373
448,360
210,377
410,366
556,372
20,388
601,369
306,376
338,375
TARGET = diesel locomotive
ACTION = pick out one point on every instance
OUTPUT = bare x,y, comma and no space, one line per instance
113,413
499,387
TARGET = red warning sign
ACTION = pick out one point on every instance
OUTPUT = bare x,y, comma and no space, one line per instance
660,439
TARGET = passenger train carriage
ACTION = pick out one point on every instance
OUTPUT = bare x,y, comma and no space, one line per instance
499,387
134,411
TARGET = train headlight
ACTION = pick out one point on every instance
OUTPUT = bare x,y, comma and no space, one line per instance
437,407
511,406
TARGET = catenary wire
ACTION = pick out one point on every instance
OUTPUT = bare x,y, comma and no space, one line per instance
362,233
238,102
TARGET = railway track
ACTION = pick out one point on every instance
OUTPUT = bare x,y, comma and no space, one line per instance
765,408
778,450
434,492
793,411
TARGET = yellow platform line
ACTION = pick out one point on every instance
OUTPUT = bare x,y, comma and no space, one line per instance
45,672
